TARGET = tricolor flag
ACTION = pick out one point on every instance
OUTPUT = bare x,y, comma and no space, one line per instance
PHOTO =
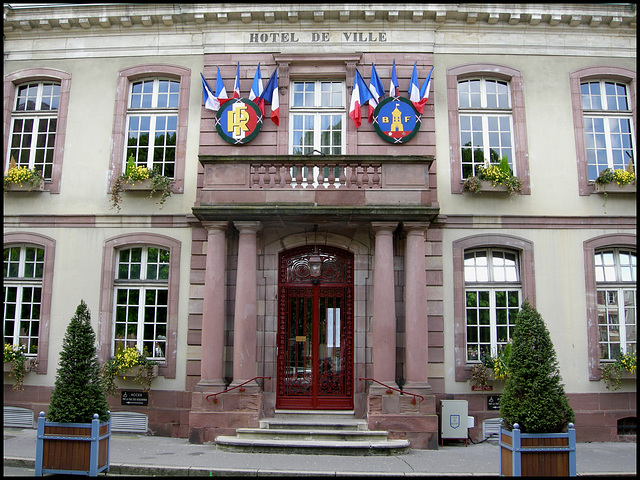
221,92
424,93
359,96
270,95
377,91
394,89
414,89
256,89
236,85
211,102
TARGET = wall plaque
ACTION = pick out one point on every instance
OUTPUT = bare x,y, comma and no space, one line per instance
140,399
239,121
396,120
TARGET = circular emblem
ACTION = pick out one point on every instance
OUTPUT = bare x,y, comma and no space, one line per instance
238,121
396,120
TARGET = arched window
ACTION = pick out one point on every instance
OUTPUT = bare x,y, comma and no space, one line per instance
36,121
486,121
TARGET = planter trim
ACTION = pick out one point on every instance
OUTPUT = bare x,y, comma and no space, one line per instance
95,438
517,449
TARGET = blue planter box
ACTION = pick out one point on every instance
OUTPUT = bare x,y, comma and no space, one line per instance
72,448
537,454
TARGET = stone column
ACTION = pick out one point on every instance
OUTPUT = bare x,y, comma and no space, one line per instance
384,308
213,306
246,311
417,359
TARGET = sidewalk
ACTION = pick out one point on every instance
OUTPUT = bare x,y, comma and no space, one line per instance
133,454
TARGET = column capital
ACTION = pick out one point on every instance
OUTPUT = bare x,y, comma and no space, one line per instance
248,227
415,227
383,227
213,226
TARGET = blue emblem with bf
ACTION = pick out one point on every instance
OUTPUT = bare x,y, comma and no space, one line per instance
396,120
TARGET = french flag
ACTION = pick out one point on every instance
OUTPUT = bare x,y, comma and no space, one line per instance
359,96
236,85
424,93
256,89
210,100
414,90
270,95
377,91
221,92
394,89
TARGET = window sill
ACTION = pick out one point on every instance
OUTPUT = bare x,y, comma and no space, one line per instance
29,365
486,186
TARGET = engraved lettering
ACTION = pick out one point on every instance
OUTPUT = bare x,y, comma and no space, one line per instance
264,38
346,36
285,37
275,37
382,36
253,38
293,38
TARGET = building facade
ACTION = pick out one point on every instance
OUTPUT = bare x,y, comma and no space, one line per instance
303,262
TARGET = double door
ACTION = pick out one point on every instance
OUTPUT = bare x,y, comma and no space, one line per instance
315,332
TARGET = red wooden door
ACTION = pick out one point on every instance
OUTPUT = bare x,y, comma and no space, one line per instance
315,331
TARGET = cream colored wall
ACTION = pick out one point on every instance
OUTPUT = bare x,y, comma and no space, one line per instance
560,299
84,185
77,276
550,138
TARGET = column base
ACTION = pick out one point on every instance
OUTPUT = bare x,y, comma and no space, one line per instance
405,416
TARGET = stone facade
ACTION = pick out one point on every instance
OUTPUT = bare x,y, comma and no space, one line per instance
231,215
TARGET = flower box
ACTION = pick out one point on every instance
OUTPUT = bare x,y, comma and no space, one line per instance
133,372
612,188
488,186
140,185
24,187
28,365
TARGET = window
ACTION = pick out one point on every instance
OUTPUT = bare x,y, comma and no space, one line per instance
36,127
318,115
484,107
603,102
486,121
607,126
492,276
150,120
141,300
152,124
23,272
492,300
615,271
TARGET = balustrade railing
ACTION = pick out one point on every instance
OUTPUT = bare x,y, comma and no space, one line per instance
239,387
315,174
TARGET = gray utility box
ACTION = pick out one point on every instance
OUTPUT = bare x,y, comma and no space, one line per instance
454,422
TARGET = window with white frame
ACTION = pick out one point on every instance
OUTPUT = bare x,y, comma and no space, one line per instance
608,126
23,276
486,124
152,124
615,270
317,117
492,300
34,126
141,293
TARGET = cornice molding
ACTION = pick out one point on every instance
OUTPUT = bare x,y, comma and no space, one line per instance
101,17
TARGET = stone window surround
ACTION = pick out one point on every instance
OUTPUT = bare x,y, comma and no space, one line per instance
49,245
595,73
500,72
125,77
105,330
11,82
590,246
523,247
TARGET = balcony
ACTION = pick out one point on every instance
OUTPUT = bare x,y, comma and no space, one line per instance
317,188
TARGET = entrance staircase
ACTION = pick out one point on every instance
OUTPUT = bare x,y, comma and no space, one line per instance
313,432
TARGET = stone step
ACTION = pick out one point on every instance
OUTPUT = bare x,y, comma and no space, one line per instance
313,423
312,434
313,447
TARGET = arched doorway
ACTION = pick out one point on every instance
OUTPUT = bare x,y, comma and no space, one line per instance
315,330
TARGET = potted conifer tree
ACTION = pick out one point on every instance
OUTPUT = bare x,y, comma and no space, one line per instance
74,438
536,436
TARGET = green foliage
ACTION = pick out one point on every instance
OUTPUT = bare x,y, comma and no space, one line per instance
533,396
78,392
133,173
496,173
612,372
122,363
